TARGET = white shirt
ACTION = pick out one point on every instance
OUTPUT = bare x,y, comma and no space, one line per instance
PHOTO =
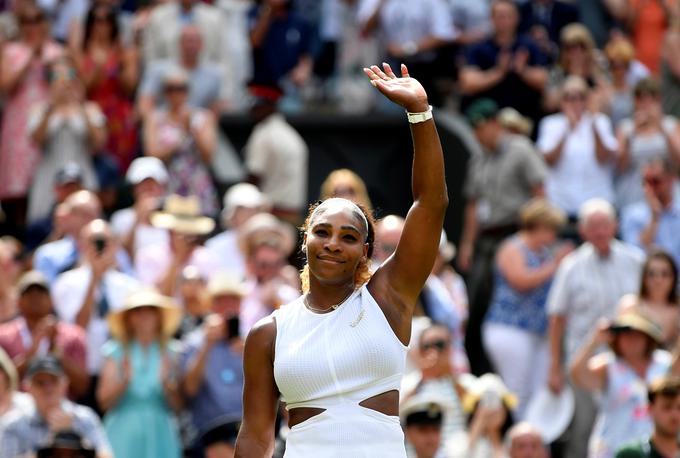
224,247
68,295
277,154
588,287
122,222
577,176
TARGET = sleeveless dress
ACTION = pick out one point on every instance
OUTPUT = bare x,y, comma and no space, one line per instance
624,415
142,425
334,361
118,109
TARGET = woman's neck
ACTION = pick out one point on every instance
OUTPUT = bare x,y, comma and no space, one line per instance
322,296
655,299
531,242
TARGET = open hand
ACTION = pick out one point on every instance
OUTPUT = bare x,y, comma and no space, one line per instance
404,91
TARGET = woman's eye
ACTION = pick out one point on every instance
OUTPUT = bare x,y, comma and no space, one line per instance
321,232
350,238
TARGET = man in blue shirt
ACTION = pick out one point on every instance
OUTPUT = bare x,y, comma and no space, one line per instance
212,367
656,221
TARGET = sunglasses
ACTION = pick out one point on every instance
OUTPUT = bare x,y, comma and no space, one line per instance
577,45
176,88
653,181
653,273
439,345
574,97
28,20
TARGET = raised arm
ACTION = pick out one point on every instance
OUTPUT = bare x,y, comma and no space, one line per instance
260,394
399,280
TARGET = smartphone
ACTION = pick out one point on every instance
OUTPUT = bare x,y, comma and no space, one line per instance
99,244
233,327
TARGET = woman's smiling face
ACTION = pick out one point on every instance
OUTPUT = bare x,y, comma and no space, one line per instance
335,242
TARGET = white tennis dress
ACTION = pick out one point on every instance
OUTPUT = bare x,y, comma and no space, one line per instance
334,361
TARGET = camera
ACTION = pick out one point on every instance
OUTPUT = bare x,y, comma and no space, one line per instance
99,244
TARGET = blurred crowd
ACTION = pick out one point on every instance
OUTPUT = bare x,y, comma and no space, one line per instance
138,248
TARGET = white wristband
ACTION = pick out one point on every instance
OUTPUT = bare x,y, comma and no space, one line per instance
415,118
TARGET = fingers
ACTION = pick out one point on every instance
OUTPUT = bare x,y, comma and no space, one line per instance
388,70
404,71
371,74
380,73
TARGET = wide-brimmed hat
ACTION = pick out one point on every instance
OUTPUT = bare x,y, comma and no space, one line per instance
32,278
423,409
147,167
636,321
267,229
171,315
183,215
8,367
486,387
551,413
225,283
513,119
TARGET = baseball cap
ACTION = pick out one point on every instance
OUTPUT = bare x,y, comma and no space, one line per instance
481,110
44,364
69,173
30,279
147,167
422,410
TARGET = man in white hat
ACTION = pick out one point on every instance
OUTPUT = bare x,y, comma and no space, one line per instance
241,202
148,177
212,368
422,419
524,441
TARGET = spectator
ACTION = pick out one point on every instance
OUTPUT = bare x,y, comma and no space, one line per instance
507,174
9,273
266,243
647,135
618,92
10,397
580,149
205,78
57,257
86,294
587,287
26,431
193,300
436,378
241,202
63,16
237,55
598,19
387,233
212,369
276,158
472,20
657,298
185,139
655,221
37,331
132,225
577,57
507,68
345,183
67,444
544,20
68,179
670,70
525,441
161,265
139,385
664,408
621,376
647,22
422,417
110,72
488,403
67,129
22,83
515,327
418,37
281,45
513,122
161,33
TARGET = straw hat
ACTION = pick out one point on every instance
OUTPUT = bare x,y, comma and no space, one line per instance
487,388
171,315
183,215
263,229
224,283
637,321
513,119
7,366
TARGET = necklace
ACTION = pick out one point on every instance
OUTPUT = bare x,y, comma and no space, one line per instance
332,307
